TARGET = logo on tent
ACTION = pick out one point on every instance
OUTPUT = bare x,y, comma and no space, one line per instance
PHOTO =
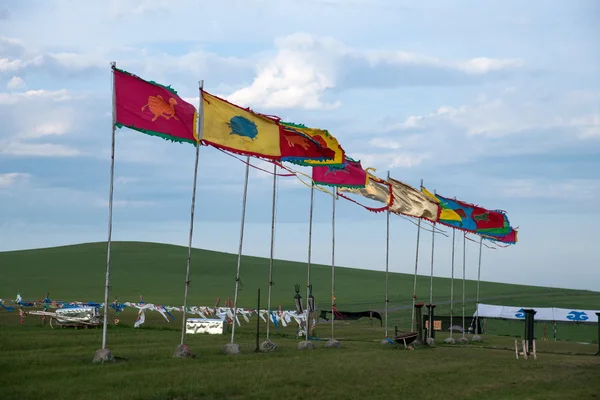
521,313
577,316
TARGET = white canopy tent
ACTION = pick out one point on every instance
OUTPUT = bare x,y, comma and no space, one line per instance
546,314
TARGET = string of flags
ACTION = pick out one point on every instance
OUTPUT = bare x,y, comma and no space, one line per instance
278,317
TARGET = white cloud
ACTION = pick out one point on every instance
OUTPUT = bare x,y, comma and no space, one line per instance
512,124
23,149
588,125
47,129
384,143
510,114
51,95
14,65
16,83
101,203
125,180
306,66
122,8
567,189
390,159
12,178
484,65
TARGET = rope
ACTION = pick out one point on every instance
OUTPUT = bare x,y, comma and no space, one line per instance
253,166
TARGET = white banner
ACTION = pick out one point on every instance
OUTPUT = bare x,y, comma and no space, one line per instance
542,313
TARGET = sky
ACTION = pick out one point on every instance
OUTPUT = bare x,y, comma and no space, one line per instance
496,103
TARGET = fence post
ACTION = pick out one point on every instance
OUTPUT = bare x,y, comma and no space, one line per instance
419,317
529,329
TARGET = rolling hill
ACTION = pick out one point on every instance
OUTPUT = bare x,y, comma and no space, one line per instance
156,271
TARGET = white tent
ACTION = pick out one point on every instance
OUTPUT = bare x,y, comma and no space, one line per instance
548,314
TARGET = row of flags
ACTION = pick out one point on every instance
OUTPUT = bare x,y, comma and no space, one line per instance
158,110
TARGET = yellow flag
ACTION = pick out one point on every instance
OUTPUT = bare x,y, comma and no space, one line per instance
325,139
233,128
430,195
446,214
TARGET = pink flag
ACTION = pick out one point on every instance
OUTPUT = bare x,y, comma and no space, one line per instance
153,109
352,175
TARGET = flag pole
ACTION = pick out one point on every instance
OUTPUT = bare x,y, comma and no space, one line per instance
310,224
232,348
182,350
430,330
272,248
478,280
105,354
463,284
452,283
332,342
412,319
387,263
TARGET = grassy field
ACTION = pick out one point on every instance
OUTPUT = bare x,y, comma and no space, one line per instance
156,271
38,362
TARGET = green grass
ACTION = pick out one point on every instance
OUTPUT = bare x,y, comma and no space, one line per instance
157,271
38,362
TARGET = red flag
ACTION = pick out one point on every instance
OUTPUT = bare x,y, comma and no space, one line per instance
297,147
153,109
351,175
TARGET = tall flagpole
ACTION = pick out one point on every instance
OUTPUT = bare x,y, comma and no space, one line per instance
239,260
105,354
430,330
452,284
412,319
272,248
478,280
463,283
182,350
387,263
310,224
333,264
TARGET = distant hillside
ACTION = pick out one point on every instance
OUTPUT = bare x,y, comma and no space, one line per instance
156,271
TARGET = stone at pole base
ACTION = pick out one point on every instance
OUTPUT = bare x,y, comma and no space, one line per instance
103,356
268,346
306,345
182,351
231,348
332,344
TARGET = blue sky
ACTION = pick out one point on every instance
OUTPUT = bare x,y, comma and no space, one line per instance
495,102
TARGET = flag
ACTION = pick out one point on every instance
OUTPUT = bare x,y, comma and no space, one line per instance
351,175
509,238
409,201
299,148
446,214
153,109
375,189
492,225
474,218
239,130
326,139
